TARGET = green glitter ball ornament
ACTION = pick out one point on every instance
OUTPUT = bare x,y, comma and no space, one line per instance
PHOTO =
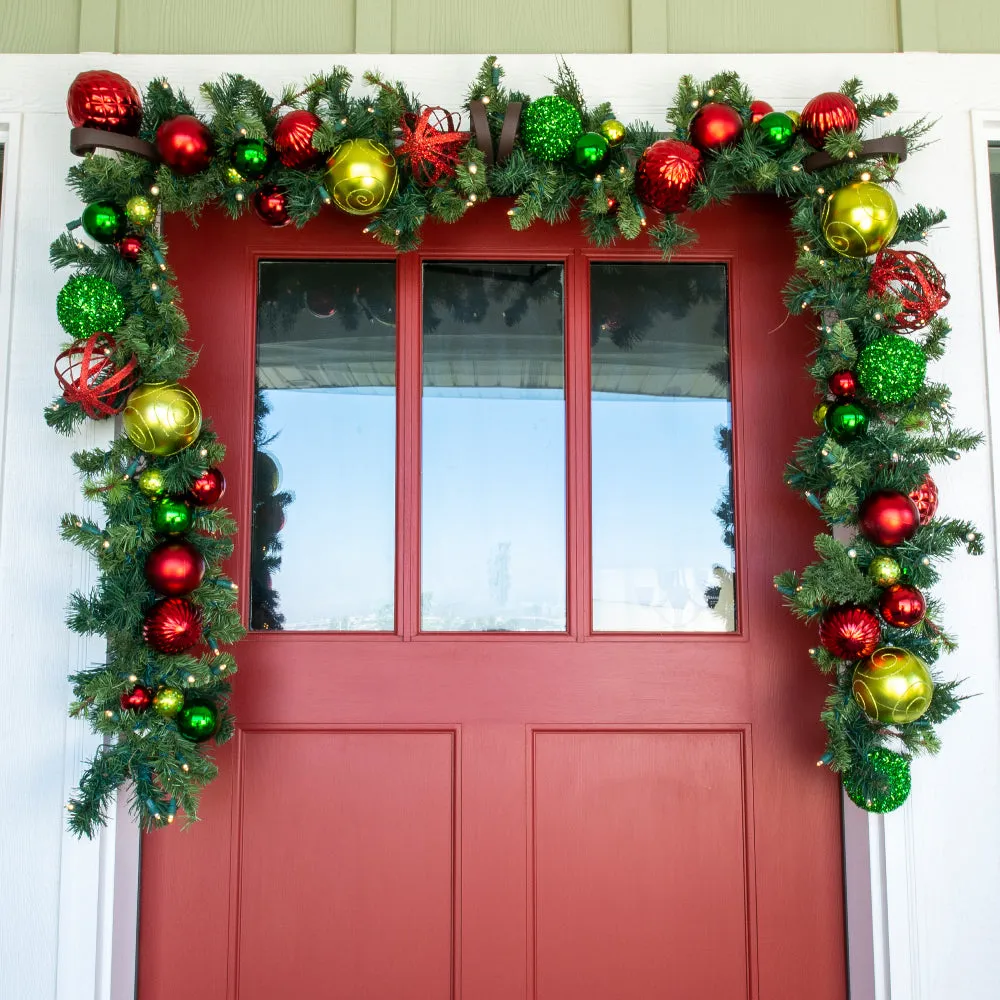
250,158
103,221
150,481
884,571
550,127
168,701
171,516
882,786
845,422
140,211
892,369
777,132
198,720
590,151
234,177
88,304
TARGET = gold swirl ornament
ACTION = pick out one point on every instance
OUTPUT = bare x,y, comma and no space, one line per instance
893,685
859,219
162,418
361,176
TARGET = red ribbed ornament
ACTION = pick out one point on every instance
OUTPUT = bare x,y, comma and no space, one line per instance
915,281
174,568
88,376
715,126
850,632
271,205
172,625
185,145
925,496
888,518
757,111
825,113
104,100
293,140
902,606
666,175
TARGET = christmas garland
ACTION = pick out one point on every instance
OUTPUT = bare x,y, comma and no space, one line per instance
162,601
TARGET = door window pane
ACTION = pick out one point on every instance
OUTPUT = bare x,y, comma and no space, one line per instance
663,545
323,546
493,507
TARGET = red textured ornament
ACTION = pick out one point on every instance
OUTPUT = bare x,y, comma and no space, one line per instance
757,111
138,699
271,205
850,632
888,518
902,606
185,145
825,113
913,279
174,568
172,625
843,384
925,496
715,126
293,140
431,143
104,100
129,247
208,488
88,376
666,175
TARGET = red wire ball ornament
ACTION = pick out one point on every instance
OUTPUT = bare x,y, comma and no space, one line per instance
172,625
888,518
666,175
174,568
714,126
87,376
431,143
757,111
915,281
825,113
271,205
850,632
902,606
185,145
104,100
925,496
208,488
843,384
129,247
293,137
138,699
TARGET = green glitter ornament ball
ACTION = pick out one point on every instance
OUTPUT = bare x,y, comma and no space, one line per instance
550,127
590,151
168,701
884,787
198,720
884,571
140,211
892,369
845,422
171,517
88,304
103,221
151,482
777,132
250,158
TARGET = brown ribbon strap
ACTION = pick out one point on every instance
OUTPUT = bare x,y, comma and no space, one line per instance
86,140
890,145
508,132
481,130
511,119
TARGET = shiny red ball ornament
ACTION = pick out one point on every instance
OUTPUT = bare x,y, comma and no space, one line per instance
271,205
129,247
850,632
915,281
757,111
292,140
138,699
666,175
925,496
825,113
172,625
902,606
174,568
88,376
208,488
104,100
185,145
888,518
843,384
714,126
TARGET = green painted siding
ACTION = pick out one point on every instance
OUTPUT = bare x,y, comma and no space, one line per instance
39,25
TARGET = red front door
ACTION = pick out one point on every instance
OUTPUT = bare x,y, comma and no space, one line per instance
536,724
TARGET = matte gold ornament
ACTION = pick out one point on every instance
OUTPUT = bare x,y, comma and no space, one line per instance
162,418
859,219
361,176
893,686
614,131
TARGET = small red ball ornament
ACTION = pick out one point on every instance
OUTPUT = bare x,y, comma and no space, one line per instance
925,496
172,625
666,175
269,517
757,111
104,100
138,699
850,632
843,384
88,377
208,488
271,205
293,140
825,113
714,126
913,279
888,518
185,145
902,606
129,247
174,568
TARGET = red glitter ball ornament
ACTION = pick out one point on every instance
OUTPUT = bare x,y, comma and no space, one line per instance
185,145
174,568
666,175
825,113
89,377
431,144
172,625
129,247
902,606
843,384
925,496
913,279
104,100
888,518
850,632
714,126
208,488
292,140
271,205
138,699
757,111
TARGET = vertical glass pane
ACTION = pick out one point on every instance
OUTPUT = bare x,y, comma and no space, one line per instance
663,549
323,547
493,506
995,192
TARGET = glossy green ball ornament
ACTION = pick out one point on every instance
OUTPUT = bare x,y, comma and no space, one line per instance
590,152
550,127
150,482
777,132
881,786
168,701
859,219
171,516
845,422
250,158
87,304
140,211
892,369
884,571
103,221
198,720
614,131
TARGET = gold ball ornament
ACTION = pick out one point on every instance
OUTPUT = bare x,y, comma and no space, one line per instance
233,177
796,118
859,219
614,131
361,176
151,482
819,413
893,686
162,418
140,211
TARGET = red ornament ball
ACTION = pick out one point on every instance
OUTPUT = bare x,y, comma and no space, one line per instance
208,488
666,175
88,376
269,517
321,301
714,126
138,699
174,568
850,632
292,140
185,145
104,100
271,205
172,625
757,111
913,279
902,606
843,384
925,496
129,247
888,518
825,113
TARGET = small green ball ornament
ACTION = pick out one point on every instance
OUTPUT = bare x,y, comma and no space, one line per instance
140,211
250,158
103,221
614,131
846,422
777,132
892,369
171,516
590,152
550,127
150,482
198,720
168,701
884,571
882,788
87,304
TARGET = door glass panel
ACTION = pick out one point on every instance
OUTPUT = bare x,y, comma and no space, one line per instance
493,507
663,531
323,546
